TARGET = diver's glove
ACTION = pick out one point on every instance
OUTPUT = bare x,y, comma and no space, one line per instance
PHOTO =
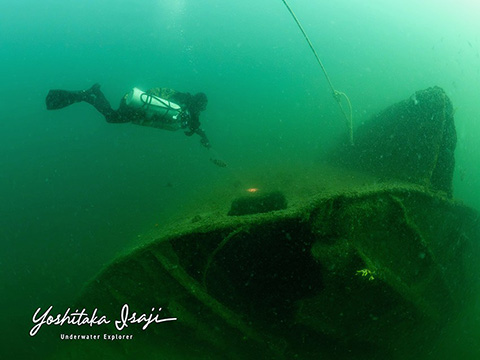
205,142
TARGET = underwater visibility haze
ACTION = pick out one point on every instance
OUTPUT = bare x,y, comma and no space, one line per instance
78,192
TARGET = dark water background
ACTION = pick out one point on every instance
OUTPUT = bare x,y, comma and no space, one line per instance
76,191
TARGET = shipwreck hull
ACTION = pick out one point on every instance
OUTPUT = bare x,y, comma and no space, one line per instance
370,272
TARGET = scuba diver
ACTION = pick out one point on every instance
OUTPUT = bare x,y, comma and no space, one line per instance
158,107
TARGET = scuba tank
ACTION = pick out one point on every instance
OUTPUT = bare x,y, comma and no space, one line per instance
167,111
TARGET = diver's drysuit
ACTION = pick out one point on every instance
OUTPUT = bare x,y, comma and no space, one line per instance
159,107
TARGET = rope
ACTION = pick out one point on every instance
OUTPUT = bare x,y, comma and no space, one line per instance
337,95
349,118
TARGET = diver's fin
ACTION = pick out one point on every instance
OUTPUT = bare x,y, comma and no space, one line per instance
58,99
